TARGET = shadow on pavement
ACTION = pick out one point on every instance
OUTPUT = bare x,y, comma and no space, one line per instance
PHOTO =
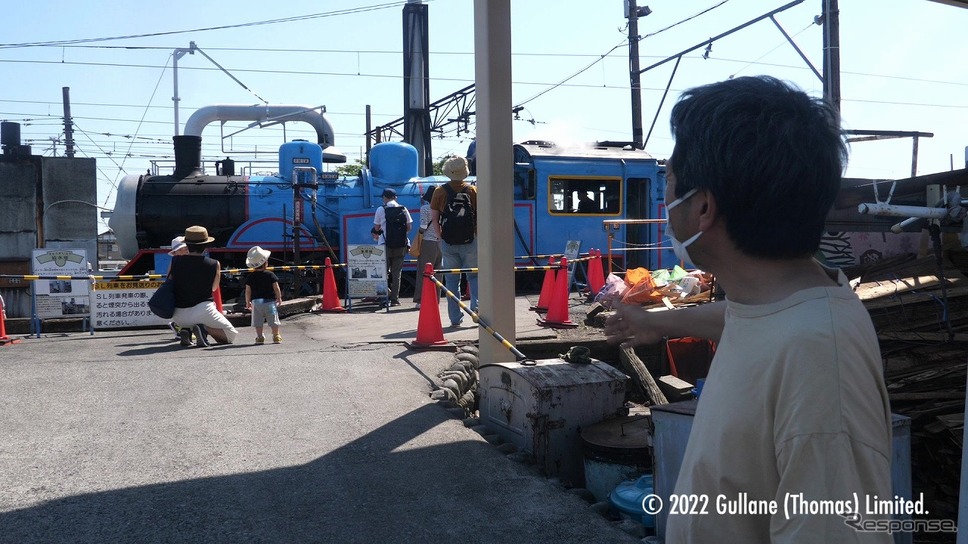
392,485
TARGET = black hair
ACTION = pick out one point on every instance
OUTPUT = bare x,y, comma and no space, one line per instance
198,248
429,193
771,156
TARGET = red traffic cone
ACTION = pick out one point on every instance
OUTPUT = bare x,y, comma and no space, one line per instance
596,276
430,333
547,289
4,339
217,296
557,317
330,294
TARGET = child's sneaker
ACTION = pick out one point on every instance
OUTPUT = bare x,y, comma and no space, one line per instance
260,339
276,338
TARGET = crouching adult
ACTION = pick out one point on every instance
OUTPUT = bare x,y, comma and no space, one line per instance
196,277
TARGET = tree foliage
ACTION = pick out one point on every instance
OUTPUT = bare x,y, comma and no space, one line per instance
351,169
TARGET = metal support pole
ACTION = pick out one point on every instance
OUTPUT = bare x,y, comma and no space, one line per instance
634,73
177,54
831,52
68,123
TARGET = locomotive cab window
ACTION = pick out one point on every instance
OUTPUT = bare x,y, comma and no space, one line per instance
586,196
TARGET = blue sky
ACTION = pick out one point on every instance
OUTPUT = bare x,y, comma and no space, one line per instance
902,65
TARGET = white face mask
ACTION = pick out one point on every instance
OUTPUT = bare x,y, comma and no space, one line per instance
679,248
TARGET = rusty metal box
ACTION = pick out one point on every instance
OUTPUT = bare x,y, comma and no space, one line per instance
541,408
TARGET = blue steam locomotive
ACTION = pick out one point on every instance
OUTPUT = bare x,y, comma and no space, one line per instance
305,213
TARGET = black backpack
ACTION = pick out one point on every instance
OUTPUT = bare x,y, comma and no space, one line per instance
395,234
459,219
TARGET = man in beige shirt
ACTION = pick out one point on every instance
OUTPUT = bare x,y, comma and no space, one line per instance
794,407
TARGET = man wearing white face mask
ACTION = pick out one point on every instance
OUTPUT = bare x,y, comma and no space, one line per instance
680,248
795,402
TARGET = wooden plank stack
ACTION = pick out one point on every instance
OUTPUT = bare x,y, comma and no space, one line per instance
921,317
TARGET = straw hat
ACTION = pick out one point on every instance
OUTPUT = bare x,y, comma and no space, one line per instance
256,257
197,235
177,244
456,168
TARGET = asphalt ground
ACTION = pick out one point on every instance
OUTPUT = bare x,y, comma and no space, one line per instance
330,436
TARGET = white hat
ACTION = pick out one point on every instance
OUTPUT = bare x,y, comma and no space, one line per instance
177,244
455,168
256,257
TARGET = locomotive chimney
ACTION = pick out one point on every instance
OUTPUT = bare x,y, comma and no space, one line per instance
188,155
10,139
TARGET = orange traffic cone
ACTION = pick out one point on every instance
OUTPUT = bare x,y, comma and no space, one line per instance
596,276
4,339
430,333
217,296
547,289
330,294
557,317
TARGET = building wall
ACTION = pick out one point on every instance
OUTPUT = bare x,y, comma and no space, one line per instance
67,193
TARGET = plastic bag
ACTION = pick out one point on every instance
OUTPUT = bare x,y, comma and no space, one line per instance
612,291
643,292
636,275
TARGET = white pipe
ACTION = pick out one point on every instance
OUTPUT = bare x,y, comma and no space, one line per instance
893,210
261,114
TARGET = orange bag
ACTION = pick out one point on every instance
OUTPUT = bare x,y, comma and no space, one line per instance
636,275
643,292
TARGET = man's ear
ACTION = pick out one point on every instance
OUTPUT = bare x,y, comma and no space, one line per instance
708,210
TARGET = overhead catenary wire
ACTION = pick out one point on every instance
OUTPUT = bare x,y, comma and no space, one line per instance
121,170
348,11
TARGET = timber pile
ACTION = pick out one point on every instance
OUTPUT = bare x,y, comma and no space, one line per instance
925,366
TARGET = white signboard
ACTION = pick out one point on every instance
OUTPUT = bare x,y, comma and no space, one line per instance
123,304
61,297
366,269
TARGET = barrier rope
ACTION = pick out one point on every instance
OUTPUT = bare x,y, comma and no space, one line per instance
96,277
516,268
522,358
639,247
285,267
127,277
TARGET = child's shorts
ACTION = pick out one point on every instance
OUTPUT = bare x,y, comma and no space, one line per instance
264,309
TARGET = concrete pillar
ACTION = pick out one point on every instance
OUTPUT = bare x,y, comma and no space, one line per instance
495,174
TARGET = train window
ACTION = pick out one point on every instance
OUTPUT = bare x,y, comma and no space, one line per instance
588,196
523,183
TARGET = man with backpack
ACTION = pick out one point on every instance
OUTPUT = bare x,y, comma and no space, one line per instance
391,227
453,212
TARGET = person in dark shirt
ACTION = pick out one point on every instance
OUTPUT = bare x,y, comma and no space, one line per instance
262,295
587,204
196,277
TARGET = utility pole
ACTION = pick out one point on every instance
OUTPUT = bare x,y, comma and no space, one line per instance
68,124
831,52
632,13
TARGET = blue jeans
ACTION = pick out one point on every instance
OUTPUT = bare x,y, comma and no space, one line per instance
459,256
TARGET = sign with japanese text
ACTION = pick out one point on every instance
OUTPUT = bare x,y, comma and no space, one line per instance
62,297
123,304
366,268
